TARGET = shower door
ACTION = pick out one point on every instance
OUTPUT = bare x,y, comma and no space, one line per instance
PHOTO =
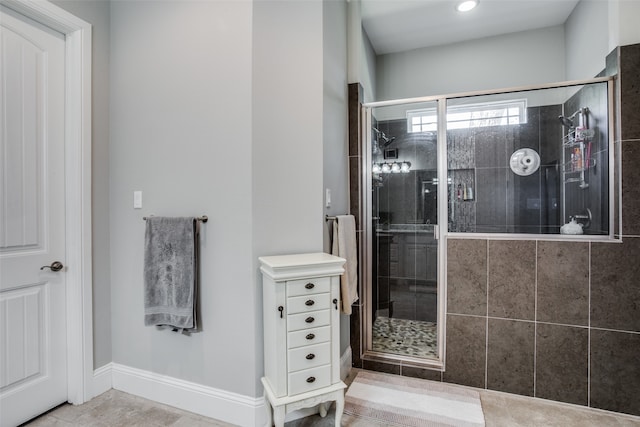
403,230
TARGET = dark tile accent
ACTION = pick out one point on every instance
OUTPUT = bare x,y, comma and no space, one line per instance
629,91
510,356
526,135
491,201
550,134
512,279
466,350
617,154
355,98
460,149
615,371
425,374
356,349
491,146
630,188
562,363
563,283
467,276
388,368
354,186
615,294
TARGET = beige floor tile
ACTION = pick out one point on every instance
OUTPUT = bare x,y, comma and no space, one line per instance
505,410
115,408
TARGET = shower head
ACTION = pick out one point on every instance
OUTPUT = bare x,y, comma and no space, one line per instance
566,121
385,139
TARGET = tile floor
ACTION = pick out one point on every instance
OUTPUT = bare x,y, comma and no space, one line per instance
401,336
115,408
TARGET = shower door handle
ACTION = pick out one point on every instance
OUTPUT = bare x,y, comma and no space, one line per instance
436,232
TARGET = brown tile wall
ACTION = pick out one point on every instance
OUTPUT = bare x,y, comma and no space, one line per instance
554,320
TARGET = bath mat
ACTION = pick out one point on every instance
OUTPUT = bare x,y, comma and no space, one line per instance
394,400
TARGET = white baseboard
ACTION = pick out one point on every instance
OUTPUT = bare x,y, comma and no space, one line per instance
102,380
203,400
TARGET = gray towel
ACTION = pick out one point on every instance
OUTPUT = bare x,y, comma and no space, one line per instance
171,272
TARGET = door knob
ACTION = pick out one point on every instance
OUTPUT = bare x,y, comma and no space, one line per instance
55,266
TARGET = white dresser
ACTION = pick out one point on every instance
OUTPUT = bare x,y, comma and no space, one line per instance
301,308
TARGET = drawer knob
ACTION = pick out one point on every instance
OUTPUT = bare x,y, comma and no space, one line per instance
309,302
310,356
309,285
311,336
311,379
309,319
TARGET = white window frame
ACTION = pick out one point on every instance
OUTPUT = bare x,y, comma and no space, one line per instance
513,112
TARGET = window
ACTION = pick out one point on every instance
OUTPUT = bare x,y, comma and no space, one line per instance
497,113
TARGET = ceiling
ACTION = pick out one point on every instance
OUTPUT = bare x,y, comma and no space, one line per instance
399,25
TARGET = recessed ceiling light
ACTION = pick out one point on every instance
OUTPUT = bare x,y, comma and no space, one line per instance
466,6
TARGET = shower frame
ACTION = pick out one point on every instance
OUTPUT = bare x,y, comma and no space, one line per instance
441,233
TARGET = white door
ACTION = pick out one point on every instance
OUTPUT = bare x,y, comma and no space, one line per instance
33,348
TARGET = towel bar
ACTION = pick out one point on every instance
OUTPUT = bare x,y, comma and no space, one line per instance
329,218
202,218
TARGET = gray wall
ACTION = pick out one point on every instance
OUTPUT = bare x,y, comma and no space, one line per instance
526,58
97,14
287,131
211,108
181,107
334,118
220,120
586,50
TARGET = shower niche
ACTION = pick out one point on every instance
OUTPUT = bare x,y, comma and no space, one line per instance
516,162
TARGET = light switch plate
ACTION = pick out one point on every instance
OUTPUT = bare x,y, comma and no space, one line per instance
137,200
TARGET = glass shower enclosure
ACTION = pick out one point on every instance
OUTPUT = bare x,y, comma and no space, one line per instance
404,221
530,162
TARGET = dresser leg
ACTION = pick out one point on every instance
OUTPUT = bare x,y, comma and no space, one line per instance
278,416
339,408
269,409
322,409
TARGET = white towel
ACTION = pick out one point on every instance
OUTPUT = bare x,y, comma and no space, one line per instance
344,246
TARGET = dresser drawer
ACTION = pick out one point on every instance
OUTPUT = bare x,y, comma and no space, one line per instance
306,303
309,379
308,337
309,357
312,319
308,286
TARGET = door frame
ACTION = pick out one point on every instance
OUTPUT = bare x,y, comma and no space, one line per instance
77,189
